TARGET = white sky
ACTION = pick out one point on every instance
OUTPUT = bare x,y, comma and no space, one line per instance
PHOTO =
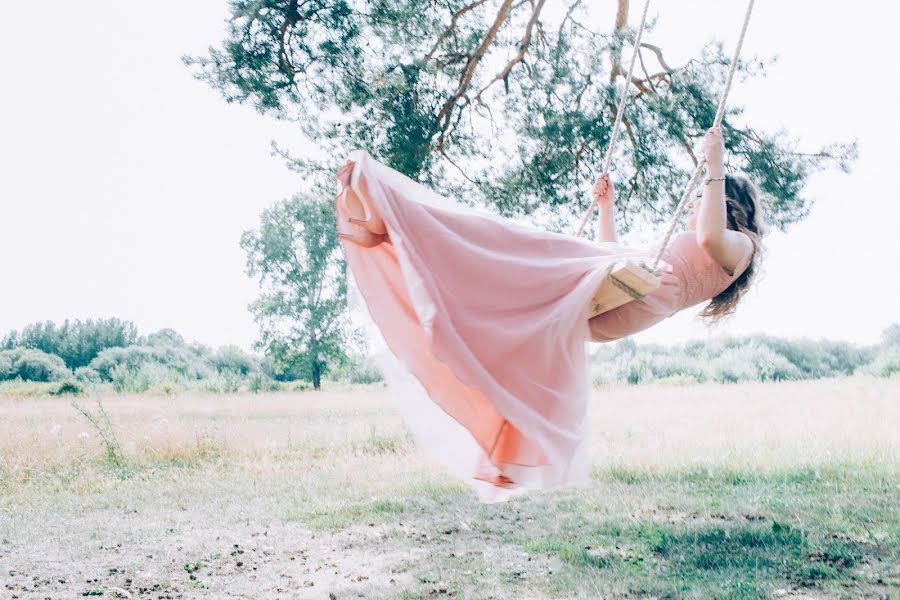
125,184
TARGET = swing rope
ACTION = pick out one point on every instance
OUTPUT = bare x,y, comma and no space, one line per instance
619,113
701,163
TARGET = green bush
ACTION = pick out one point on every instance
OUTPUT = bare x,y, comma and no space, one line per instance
18,387
355,368
31,365
364,371
635,368
771,366
234,360
145,378
732,366
164,337
679,380
721,360
87,375
226,382
163,362
890,335
645,365
68,386
817,358
751,362
76,342
260,382
885,364
677,365
187,363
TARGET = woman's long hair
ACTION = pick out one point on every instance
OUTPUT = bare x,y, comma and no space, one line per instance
745,215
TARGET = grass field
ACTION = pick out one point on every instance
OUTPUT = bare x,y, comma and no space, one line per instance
743,491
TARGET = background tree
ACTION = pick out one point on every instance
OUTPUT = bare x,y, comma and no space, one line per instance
76,342
890,335
301,272
502,103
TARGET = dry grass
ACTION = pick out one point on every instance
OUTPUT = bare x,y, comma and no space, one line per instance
327,493
760,425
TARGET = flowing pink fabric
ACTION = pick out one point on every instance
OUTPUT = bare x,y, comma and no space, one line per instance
480,327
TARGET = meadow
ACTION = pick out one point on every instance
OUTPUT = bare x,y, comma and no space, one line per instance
748,490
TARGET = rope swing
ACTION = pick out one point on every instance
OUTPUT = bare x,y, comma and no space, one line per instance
627,280
607,162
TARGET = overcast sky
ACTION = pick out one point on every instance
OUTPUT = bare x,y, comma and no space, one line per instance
125,184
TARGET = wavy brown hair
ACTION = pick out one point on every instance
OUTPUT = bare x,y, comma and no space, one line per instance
744,213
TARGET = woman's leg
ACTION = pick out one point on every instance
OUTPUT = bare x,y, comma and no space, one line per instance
366,226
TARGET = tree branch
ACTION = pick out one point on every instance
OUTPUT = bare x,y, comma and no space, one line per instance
290,20
451,27
523,47
658,52
566,17
443,117
577,154
621,22
644,69
688,149
458,168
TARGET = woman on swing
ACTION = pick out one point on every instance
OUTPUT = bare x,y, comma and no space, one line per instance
714,260
483,320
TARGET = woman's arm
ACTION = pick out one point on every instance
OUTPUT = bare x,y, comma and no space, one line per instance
726,246
605,194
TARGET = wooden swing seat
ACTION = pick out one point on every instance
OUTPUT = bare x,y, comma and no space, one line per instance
626,281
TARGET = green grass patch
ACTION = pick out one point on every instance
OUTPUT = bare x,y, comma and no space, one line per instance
376,444
435,492
568,552
727,560
834,473
192,567
369,513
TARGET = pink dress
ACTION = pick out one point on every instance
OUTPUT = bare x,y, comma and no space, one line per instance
479,325
692,277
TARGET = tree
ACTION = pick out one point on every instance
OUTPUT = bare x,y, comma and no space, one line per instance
76,342
890,335
164,337
29,364
501,103
304,292
234,360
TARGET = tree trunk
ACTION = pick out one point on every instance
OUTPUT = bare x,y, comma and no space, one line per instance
621,14
316,374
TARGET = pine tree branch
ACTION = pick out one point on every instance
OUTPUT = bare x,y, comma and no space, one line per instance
644,69
688,149
567,17
284,62
458,168
523,48
618,28
658,52
578,153
587,86
450,29
443,117
449,59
